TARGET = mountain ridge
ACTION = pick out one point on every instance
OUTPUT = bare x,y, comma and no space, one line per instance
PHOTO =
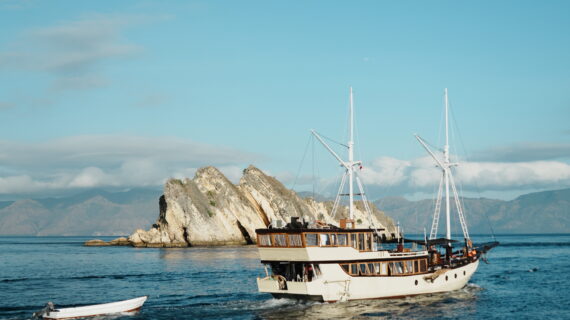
118,213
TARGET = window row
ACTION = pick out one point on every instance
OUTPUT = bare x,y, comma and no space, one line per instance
361,241
280,240
392,268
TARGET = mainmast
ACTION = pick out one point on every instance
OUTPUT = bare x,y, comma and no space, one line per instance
447,179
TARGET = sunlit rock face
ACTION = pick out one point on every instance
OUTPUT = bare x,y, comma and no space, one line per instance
210,210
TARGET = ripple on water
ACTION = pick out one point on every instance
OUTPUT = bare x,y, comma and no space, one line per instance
524,279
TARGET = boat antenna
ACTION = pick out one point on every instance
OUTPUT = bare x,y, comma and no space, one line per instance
447,178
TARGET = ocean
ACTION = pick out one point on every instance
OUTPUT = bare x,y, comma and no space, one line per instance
528,277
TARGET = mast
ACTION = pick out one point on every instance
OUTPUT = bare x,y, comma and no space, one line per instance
446,169
351,161
447,178
350,174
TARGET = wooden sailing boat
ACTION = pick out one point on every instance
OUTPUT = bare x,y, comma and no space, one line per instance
315,261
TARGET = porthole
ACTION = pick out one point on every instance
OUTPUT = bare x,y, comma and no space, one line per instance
416,282
464,273
446,278
456,276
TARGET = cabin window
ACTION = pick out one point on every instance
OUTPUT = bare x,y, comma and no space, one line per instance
367,242
371,268
416,266
397,267
280,240
409,266
345,267
363,269
361,241
265,240
317,269
423,265
333,240
311,239
377,268
384,268
400,267
324,239
354,269
342,239
354,241
295,240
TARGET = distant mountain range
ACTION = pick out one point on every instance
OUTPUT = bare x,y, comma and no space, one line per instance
95,212
99,212
540,212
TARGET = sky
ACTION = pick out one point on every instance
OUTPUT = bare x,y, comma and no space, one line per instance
122,94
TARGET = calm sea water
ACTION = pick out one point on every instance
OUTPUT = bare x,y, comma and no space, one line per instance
528,278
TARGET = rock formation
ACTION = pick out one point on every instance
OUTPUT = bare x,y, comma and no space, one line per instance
210,210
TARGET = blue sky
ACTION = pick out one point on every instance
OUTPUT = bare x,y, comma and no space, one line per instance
129,93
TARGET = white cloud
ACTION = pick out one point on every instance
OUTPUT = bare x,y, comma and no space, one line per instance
111,160
497,175
421,174
386,171
73,53
90,177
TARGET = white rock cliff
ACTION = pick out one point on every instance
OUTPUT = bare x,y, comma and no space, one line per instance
210,210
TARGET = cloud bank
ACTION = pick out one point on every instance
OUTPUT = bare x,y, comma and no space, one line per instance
109,161
421,175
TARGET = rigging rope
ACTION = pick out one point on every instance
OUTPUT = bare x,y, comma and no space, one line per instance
301,163
477,188
332,140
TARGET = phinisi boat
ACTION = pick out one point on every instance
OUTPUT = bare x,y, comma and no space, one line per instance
310,260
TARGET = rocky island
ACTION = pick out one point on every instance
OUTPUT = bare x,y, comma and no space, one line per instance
210,210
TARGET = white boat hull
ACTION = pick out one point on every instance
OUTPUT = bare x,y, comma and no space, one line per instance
335,285
96,310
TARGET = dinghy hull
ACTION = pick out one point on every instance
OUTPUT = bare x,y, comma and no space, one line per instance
131,305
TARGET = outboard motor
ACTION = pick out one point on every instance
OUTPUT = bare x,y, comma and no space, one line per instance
44,312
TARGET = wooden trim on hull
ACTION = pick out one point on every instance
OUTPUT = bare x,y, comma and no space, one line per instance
386,259
302,230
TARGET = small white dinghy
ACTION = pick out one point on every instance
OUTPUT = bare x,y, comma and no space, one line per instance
94,310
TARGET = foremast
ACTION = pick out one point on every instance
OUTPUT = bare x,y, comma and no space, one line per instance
447,178
350,169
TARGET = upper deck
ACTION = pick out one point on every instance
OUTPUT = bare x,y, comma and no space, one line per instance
325,245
